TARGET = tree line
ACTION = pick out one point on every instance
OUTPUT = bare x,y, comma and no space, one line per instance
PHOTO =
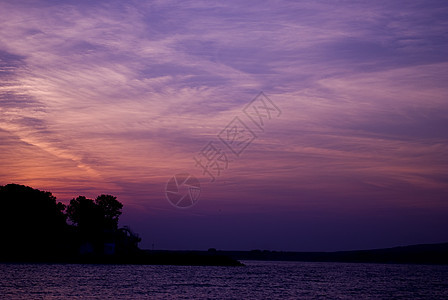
34,224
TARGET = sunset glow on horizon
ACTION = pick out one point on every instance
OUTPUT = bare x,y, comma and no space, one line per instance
117,97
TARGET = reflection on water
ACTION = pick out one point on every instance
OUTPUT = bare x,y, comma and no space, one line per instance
258,280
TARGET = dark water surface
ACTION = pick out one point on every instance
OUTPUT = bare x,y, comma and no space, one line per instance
258,280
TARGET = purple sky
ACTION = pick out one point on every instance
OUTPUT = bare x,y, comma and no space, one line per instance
118,96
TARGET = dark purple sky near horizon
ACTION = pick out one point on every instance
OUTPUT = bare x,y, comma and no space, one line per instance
116,97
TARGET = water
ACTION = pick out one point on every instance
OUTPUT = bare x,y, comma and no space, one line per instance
258,280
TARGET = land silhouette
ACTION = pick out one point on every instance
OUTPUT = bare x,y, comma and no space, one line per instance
34,227
412,254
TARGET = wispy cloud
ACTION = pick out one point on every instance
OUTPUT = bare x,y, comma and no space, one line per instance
120,96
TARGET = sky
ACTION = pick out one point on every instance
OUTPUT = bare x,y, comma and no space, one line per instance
117,97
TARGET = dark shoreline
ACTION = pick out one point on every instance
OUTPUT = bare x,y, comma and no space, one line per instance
430,254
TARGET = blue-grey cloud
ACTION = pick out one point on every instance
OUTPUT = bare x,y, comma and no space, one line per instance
124,94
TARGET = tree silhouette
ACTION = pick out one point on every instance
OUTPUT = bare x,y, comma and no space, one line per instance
88,218
33,226
30,219
111,209
96,222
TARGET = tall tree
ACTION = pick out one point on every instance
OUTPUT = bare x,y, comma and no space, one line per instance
111,209
86,215
30,219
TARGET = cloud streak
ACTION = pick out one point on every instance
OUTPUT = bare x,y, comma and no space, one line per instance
117,97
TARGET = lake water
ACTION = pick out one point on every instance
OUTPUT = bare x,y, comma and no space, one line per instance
258,280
